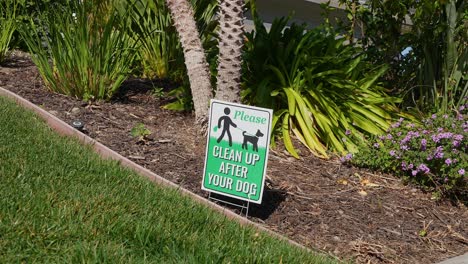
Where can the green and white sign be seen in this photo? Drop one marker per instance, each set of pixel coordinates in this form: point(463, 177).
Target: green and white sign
point(237, 150)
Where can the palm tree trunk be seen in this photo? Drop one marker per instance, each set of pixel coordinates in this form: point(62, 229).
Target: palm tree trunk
point(195, 60)
point(231, 33)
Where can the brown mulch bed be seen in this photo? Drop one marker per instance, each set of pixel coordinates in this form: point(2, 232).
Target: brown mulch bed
point(349, 212)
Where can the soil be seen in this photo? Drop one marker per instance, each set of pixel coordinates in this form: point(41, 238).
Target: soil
point(349, 212)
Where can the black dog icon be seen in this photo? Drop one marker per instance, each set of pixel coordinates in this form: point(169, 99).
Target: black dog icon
point(251, 139)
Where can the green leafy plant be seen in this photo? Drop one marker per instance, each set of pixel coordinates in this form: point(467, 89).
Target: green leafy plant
point(27, 10)
point(321, 89)
point(160, 50)
point(431, 74)
point(455, 65)
point(182, 99)
point(158, 92)
point(140, 131)
point(441, 82)
point(80, 50)
point(8, 24)
point(160, 53)
point(433, 154)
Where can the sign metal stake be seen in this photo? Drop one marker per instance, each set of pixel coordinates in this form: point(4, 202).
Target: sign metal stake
point(245, 204)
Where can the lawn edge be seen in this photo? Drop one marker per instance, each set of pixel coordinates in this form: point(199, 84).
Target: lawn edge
point(65, 129)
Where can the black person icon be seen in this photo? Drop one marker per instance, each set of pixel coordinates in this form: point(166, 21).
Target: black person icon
point(227, 122)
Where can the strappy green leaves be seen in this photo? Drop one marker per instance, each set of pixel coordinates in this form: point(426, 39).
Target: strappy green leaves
point(322, 89)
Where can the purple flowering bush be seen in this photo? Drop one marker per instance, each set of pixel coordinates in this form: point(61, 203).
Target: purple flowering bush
point(433, 153)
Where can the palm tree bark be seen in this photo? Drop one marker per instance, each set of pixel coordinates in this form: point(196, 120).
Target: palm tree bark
point(231, 33)
point(195, 60)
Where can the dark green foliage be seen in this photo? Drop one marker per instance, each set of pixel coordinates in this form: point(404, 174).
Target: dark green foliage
point(320, 88)
point(32, 9)
point(160, 54)
point(81, 49)
point(433, 76)
point(8, 25)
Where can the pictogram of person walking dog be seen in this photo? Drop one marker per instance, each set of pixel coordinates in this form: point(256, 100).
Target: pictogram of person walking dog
point(225, 123)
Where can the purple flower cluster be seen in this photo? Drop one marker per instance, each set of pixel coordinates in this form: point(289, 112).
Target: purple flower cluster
point(423, 168)
point(423, 144)
point(437, 147)
point(446, 135)
point(346, 158)
point(405, 166)
point(439, 152)
point(409, 136)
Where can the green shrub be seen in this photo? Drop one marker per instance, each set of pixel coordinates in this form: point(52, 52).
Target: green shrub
point(433, 75)
point(433, 154)
point(8, 12)
point(25, 10)
point(82, 54)
point(160, 52)
point(319, 87)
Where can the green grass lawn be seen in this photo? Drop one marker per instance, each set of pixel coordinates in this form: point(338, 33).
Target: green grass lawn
point(59, 202)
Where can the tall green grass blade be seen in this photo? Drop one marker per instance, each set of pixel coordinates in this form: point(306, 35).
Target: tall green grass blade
point(291, 101)
point(369, 81)
point(310, 136)
point(286, 138)
point(8, 25)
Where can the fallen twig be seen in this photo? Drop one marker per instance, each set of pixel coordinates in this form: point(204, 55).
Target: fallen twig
point(457, 235)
